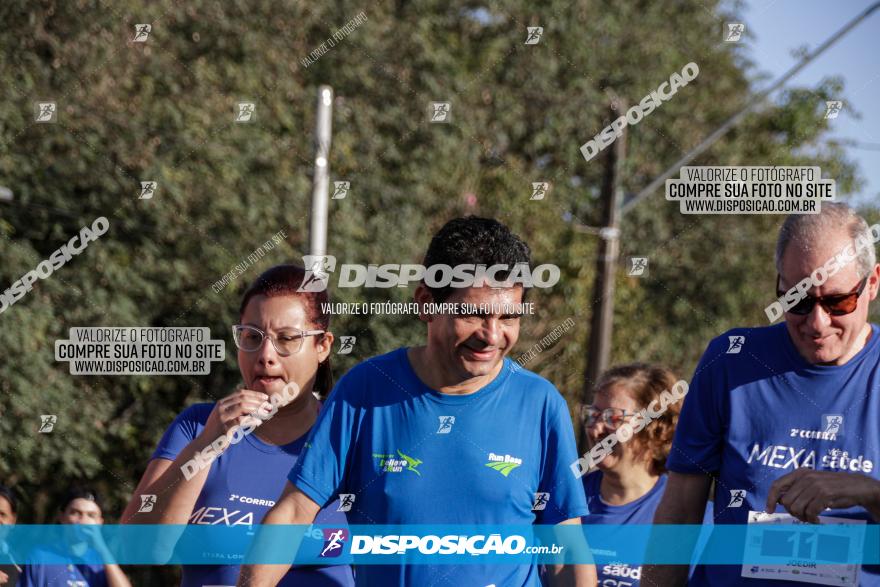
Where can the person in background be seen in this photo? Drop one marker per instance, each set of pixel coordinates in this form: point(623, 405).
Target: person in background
point(625, 486)
point(81, 510)
point(784, 418)
point(9, 571)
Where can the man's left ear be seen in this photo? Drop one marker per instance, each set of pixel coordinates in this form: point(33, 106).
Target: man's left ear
point(423, 297)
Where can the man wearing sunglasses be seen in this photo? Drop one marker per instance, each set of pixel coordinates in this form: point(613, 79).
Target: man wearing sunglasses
point(786, 419)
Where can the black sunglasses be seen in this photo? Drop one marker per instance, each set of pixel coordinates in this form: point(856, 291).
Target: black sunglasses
point(835, 304)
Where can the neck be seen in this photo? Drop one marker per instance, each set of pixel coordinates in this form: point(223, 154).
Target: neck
point(620, 487)
point(291, 421)
point(859, 344)
point(443, 380)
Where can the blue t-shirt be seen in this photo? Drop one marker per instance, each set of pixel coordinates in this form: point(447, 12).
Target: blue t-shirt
point(639, 512)
point(761, 412)
point(61, 575)
point(241, 487)
point(412, 455)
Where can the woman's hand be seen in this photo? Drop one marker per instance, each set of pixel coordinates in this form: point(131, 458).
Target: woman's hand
point(235, 410)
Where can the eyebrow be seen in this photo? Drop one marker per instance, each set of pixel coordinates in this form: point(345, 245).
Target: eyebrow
point(280, 328)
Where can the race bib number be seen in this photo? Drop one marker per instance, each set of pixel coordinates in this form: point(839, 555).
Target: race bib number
point(810, 553)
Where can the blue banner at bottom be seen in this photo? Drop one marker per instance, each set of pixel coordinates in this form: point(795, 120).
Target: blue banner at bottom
point(752, 544)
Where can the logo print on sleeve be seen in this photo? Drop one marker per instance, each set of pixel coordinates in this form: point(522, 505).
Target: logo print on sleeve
point(503, 464)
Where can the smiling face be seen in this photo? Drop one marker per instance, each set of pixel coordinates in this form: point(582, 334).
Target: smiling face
point(264, 369)
point(623, 454)
point(464, 347)
point(819, 337)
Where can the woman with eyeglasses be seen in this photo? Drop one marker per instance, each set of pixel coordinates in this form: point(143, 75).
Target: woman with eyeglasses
point(625, 487)
point(284, 345)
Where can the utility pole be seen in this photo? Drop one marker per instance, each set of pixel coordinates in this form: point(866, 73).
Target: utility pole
point(320, 195)
point(601, 319)
point(602, 315)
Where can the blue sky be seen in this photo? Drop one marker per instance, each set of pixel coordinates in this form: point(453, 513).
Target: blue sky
point(776, 27)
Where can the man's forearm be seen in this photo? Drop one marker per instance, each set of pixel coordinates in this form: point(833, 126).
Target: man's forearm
point(268, 575)
point(294, 507)
point(261, 575)
point(873, 506)
point(115, 576)
point(666, 575)
point(684, 502)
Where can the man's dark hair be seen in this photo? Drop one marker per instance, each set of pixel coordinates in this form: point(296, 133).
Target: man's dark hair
point(80, 493)
point(10, 497)
point(474, 241)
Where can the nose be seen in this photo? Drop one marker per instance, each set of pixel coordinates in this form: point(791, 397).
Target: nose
point(266, 354)
point(490, 332)
point(818, 319)
point(598, 425)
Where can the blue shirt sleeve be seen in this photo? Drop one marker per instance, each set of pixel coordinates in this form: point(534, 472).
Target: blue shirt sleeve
point(321, 466)
point(699, 434)
point(567, 499)
point(186, 426)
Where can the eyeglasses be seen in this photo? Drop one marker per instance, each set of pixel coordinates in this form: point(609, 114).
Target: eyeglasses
point(612, 417)
point(250, 339)
point(835, 304)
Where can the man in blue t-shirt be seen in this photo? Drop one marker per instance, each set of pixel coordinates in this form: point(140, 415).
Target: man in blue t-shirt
point(785, 418)
point(446, 433)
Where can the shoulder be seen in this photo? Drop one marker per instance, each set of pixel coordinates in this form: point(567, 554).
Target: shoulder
point(379, 369)
point(725, 353)
point(195, 414)
point(538, 389)
point(745, 340)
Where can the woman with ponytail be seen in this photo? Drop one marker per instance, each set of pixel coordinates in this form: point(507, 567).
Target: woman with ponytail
point(284, 342)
